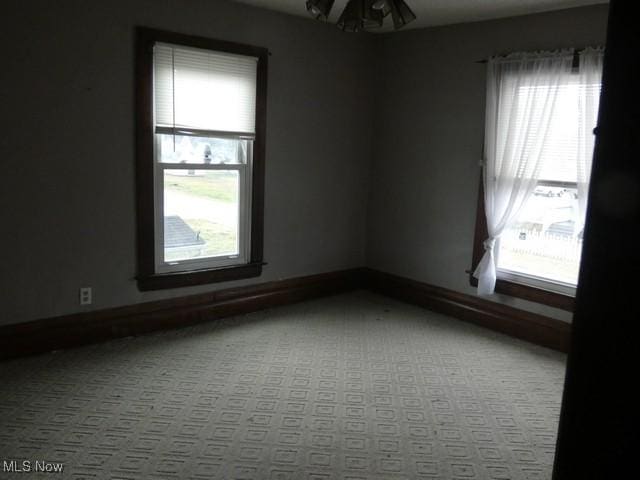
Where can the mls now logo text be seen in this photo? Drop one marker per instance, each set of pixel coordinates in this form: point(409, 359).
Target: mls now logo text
point(29, 466)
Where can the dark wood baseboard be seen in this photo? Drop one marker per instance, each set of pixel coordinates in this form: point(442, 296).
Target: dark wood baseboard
point(518, 323)
point(91, 327)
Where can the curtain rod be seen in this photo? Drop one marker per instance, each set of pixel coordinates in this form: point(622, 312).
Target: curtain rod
point(576, 53)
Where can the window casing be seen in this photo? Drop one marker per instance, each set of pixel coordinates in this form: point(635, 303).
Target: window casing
point(201, 108)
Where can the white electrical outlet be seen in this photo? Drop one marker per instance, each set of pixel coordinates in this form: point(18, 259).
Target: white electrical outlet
point(86, 296)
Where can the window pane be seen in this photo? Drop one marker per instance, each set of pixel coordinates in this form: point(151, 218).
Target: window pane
point(200, 150)
point(546, 239)
point(200, 214)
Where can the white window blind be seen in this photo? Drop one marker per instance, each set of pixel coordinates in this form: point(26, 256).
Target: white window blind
point(560, 148)
point(204, 90)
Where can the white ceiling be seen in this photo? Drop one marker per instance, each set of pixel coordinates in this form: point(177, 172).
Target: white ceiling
point(439, 12)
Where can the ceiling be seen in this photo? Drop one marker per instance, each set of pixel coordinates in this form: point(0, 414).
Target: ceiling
point(440, 12)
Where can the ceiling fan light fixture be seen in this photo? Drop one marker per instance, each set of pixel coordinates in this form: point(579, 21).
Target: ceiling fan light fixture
point(382, 6)
point(361, 15)
point(319, 9)
point(358, 15)
point(401, 14)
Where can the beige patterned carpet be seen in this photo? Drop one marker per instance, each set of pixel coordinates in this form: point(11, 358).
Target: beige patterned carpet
point(355, 386)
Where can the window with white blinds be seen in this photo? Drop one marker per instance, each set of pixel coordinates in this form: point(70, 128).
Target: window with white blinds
point(542, 246)
point(205, 128)
point(200, 158)
point(204, 90)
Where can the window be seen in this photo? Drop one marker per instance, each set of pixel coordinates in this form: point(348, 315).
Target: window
point(200, 159)
point(537, 255)
point(542, 246)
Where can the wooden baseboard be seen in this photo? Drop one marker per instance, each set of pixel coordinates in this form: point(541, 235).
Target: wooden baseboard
point(518, 323)
point(91, 327)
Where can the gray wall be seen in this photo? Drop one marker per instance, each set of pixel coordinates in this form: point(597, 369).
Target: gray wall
point(429, 129)
point(67, 146)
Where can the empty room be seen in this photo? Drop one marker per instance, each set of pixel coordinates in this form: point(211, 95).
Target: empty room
point(289, 239)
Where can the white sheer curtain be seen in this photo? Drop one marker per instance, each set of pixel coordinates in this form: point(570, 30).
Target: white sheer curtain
point(522, 90)
point(590, 79)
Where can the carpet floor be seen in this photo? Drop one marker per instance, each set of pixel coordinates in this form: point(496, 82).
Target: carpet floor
point(355, 386)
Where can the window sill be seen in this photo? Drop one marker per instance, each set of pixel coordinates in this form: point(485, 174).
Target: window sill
point(161, 281)
point(533, 294)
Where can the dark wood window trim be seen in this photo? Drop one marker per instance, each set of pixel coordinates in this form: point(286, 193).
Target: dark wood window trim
point(527, 292)
point(147, 277)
